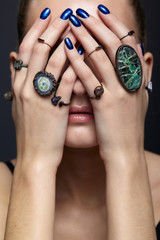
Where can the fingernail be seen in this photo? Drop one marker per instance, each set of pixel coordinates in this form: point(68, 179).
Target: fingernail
point(80, 50)
point(66, 14)
point(141, 45)
point(75, 21)
point(103, 9)
point(83, 14)
point(45, 13)
point(68, 43)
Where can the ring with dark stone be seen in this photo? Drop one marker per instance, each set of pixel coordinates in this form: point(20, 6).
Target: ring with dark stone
point(44, 83)
point(98, 91)
point(55, 101)
point(18, 64)
point(130, 33)
point(129, 68)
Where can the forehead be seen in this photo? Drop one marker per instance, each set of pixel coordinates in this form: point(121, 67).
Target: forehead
point(121, 8)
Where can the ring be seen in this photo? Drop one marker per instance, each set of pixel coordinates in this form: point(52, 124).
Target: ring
point(8, 96)
point(129, 68)
point(149, 87)
point(56, 99)
point(130, 33)
point(96, 49)
point(98, 91)
point(43, 41)
point(44, 83)
point(18, 64)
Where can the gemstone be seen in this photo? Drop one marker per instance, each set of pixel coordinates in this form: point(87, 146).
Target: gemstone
point(98, 91)
point(18, 64)
point(150, 86)
point(55, 100)
point(44, 83)
point(129, 69)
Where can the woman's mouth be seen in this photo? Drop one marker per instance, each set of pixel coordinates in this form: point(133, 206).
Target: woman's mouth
point(80, 114)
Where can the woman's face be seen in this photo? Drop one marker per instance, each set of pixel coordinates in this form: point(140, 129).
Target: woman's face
point(81, 132)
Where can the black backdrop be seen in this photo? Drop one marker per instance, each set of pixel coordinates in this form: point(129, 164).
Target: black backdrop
point(8, 42)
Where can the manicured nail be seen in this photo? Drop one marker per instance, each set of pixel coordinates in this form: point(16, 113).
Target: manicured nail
point(68, 43)
point(83, 14)
point(103, 9)
point(45, 13)
point(66, 14)
point(141, 45)
point(80, 50)
point(75, 21)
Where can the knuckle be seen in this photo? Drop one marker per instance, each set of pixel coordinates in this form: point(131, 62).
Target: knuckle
point(24, 95)
point(24, 48)
point(67, 79)
point(39, 48)
point(121, 95)
point(16, 88)
point(53, 64)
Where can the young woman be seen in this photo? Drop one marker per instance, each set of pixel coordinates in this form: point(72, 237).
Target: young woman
point(80, 98)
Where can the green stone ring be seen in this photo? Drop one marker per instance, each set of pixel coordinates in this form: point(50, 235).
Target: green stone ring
point(44, 83)
point(129, 68)
point(18, 64)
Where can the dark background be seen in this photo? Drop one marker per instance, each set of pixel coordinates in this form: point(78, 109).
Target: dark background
point(8, 42)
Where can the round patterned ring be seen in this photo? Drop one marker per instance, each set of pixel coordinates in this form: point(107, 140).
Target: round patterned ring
point(129, 68)
point(44, 83)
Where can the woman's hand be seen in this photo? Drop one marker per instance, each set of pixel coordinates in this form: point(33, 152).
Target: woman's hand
point(40, 126)
point(119, 115)
point(119, 120)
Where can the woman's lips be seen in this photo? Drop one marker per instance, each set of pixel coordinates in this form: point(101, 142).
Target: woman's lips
point(80, 114)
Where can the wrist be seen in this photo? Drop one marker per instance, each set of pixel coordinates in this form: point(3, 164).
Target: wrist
point(37, 165)
point(125, 160)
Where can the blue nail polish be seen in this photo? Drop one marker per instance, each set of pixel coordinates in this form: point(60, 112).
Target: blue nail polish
point(80, 50)
point(141, 45)
point(75, 21)
point(83, 14)
point(66, 14)
point(103, 9)
point(68, 43)
point(45, 13)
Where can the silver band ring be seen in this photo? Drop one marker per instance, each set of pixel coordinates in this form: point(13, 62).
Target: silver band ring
point(130, 33)
point(43, 41)
point(96, 49)
point(18, 64)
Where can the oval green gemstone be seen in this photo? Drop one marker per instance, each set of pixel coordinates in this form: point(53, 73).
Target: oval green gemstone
point(129, 68)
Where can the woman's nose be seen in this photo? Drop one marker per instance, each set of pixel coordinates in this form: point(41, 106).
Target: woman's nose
point(78, 88)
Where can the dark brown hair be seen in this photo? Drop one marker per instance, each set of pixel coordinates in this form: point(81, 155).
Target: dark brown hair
point(136, 5)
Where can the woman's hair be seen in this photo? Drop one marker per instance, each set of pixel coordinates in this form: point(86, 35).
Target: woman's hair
point(136, 5)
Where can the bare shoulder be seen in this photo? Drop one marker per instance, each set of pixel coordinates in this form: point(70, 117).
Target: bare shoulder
point(5, 188)
point(153, 162)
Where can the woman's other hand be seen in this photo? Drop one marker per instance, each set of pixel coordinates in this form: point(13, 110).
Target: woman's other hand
point(119, 114)
point(41, 126)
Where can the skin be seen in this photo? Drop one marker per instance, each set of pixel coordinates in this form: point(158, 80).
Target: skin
point(82, 190)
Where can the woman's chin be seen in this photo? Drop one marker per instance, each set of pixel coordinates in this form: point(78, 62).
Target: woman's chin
point(81, 137)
